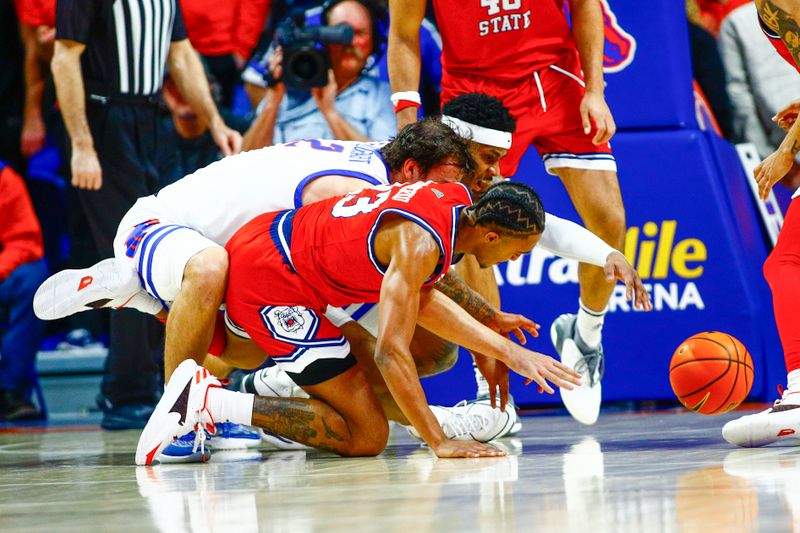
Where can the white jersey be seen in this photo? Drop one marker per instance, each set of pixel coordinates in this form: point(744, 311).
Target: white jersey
point(219, 199)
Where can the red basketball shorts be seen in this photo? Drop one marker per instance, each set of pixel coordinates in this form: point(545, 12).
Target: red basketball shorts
point(546, 107)
point(270, 303)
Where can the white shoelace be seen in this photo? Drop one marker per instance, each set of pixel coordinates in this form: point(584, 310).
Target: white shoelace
point(458, 424)
point(199, 440)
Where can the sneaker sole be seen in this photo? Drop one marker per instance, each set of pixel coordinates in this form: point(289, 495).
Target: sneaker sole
point(160, 428)
point(61, 295)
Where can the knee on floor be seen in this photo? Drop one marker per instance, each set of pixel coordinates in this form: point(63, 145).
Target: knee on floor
point(370, 441)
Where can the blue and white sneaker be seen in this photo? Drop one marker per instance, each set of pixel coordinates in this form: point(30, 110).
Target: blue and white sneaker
point(185, 450)
point(232, 436)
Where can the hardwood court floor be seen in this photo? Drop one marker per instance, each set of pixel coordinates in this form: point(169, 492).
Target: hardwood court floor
point(631, 472)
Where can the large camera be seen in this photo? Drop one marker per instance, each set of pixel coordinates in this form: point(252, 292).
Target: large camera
point(305, 61)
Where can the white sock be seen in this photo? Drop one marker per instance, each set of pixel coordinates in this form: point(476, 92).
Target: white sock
point(230, 406)
point(483, 385)
point(793, 381)
point(590, 325)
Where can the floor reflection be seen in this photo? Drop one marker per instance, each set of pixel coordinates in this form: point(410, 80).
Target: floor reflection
point(651, 473)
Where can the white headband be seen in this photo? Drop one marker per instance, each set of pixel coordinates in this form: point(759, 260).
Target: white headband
point(479, 134)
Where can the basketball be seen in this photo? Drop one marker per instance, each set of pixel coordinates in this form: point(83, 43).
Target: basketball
point(711, 373)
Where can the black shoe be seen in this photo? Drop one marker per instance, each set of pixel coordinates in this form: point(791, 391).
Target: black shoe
point(14, 407)
point(127, 416)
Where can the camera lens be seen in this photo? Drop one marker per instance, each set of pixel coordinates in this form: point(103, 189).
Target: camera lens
point(305, 66)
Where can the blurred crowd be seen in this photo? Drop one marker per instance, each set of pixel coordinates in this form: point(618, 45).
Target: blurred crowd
point(94, 114)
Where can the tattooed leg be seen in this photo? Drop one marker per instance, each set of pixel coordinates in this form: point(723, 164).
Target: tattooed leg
point(343, 416)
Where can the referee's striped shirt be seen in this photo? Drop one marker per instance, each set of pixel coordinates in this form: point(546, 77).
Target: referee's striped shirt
point(127, 41)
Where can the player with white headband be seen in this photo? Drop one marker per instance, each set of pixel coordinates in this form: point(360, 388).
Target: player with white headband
point(488, 125)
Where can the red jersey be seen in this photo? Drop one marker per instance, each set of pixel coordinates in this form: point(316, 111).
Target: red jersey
point(37, 12)
point(20, 234)
point(327, 247)
point(502, 39)
point(220, 28)
point(778, 44)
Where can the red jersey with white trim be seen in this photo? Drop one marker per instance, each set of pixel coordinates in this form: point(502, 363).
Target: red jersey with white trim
point(778, 44)
point(502, 39)
point(329, 244)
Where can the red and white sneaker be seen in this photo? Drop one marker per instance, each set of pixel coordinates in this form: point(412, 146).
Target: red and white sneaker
point(779, 422)
point(181, 409)
point(109, 283)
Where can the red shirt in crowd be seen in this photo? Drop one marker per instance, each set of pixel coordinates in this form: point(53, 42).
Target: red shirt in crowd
point(37, 12)
point(224, 27)
point(20, 234)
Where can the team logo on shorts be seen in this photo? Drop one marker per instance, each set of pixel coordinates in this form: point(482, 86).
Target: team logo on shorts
point(289, 318)
point(292, 324)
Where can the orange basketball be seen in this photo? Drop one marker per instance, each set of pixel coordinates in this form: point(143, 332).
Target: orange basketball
point(711, 373)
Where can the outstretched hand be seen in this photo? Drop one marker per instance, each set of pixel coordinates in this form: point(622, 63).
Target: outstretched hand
point(771, 171)
point(466, 448)
point(512, 323)
point(617, 267)
point(786, 117)
point(541, 369)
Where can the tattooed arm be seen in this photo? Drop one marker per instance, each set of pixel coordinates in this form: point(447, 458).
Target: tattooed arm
point(782, 17)
point(455, 288)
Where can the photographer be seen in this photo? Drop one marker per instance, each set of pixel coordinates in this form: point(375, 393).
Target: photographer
point(351, 106)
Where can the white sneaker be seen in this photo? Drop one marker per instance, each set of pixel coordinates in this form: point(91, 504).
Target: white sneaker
point(109, 283)
point(181, 409)
point(779, 422)
point(273, 382)
point(583, 402)
point(510, 406)
point(471, 421)
point(279, 443)
point(483, 394)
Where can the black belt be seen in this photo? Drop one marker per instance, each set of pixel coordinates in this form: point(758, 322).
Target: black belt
point(103, 98)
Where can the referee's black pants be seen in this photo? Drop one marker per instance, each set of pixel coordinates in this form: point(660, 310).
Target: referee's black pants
point(138, 157)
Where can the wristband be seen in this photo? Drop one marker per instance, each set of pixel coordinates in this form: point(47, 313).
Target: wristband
point(404, 99)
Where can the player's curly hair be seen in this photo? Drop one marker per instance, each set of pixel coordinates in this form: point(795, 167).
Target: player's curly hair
point(510, 208)
point(482, 110)
point(428, 142)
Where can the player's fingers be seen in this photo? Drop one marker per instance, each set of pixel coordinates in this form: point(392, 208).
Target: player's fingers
point(610, 271)
point(493, 394)
point(587, 122)
point(531, 327)
point(504, 393)
point(611, 127)
point(628, 287)
point(484, 450)
point(564, 368)
point(519, 335)
point(542, 382)
point(600, 133)
point(237, 142)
